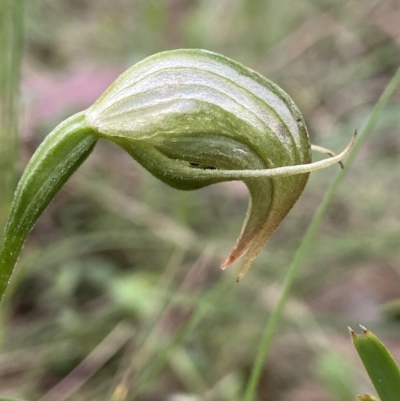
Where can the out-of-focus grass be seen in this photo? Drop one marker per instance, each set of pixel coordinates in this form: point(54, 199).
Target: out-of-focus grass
point(11, 33)
point(118, 247)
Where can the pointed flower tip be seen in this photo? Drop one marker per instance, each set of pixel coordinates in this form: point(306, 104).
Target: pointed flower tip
point(226, 263)
point(241, 274)
point(351, 331)
point(229, 260)
point(354, 334)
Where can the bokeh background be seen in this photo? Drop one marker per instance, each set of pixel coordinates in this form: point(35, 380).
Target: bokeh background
point(118, 290)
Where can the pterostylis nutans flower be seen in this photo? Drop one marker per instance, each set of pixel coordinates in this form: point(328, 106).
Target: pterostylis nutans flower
point(191, 118)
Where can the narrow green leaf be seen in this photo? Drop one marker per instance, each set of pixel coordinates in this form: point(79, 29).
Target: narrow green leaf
point(379, 364)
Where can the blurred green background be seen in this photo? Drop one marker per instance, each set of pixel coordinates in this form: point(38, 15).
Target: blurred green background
point(118, 294)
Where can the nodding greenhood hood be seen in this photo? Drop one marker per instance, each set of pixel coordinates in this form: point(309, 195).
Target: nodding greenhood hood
point(192, 118)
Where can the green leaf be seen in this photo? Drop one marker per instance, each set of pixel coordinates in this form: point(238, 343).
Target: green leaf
point(379, 364)
point(192, 118)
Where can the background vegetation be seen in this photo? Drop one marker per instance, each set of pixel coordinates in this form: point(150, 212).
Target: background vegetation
point(118, 292)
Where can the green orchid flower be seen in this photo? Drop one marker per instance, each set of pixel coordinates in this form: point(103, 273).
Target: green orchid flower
point(192, 118)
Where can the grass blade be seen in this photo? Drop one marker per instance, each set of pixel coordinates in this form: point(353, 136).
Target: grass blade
point(11, 45)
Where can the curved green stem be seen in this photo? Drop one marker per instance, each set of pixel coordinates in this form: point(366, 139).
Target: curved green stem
point(60, 154)
point(308, 240)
